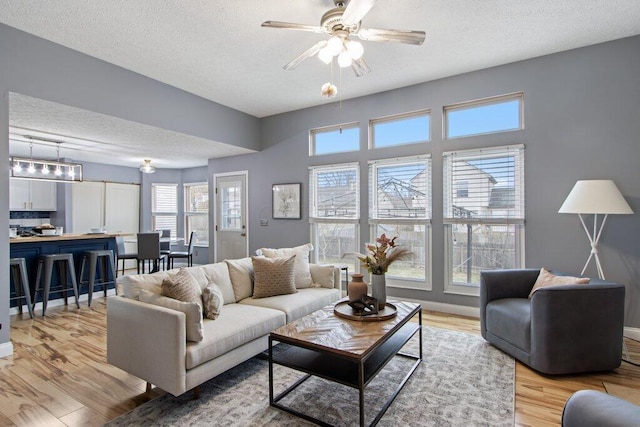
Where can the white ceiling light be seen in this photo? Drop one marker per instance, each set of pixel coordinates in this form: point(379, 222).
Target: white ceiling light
point(325, 56)
point(146, 167)
point(355, 49)
point(344, 59)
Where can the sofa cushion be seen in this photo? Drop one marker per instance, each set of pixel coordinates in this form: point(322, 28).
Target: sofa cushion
point(133, 284)
point(510, 320)
point(323, 276)
point(273, 276)
point(301, 266)
point(237, 324)
point(192, 311)
point(218, 273)
point(241, 274)
point(546, 278)
point(183, 287)
point(212, 301)
point(297, 305)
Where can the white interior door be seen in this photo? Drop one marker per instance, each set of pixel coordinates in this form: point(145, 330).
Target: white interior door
point(231, 232)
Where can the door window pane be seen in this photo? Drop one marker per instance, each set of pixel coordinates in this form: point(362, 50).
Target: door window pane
point(231, 200)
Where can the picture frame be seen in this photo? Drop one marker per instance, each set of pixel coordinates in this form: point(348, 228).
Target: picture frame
point(286, 201)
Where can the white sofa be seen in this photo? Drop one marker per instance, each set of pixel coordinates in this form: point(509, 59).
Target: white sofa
point(149, 341)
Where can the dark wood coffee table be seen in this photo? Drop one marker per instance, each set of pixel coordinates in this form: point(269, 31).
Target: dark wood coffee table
point(348, 352)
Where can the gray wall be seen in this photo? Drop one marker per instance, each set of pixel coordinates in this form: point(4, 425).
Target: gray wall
point(581, 122)
point(41, 69)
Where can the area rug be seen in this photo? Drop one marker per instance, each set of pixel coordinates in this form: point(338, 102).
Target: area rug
point(462, 381)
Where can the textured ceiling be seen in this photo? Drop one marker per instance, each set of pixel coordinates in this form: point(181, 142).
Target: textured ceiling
point(219, 51)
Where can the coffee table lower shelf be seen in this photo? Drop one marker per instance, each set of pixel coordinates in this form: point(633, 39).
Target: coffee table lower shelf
point(355, 373)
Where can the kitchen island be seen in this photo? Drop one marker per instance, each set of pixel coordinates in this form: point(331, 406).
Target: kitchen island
point(30, 248)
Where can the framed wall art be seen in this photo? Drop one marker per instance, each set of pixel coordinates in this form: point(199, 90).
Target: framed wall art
point(286, 201)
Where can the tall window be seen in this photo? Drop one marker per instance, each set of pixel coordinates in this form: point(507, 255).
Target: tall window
point(408, 128)
point(164, 207)
point(196, 212)
point(484, 225)
point(334, 139)
point(497, 114)
point(334, 206)
point(400, 205)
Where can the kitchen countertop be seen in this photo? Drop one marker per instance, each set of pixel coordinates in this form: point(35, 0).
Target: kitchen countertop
point(66, 236)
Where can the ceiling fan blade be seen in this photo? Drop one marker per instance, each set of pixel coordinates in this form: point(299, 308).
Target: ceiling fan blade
point(306, 54)
point(293, 26)
point(397, 36)
point(360, 67)
point(356, 10)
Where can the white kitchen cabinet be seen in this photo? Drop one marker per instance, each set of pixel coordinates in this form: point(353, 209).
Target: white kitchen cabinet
point(32, 195)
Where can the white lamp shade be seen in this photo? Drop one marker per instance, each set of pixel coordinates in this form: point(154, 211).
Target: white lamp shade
point(595, 197)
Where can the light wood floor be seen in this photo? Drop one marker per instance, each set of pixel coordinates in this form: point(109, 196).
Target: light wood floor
point(58, 373)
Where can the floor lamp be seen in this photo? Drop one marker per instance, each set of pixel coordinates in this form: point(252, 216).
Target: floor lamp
point(595, 197)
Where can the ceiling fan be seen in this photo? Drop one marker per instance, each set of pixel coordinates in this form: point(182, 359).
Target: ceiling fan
point(342, 23)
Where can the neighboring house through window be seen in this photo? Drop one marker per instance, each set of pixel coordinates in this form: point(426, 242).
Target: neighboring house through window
point(196, 212)
point(484, 227)
point(334, 206)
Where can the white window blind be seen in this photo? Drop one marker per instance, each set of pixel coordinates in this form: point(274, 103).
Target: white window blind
point(484, 185)
point(164, 207)
point(400, 188)
point(334, 192)
point(164, 198)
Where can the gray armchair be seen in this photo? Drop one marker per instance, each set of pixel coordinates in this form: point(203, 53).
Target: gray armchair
point(590, 408)
point(561, 330)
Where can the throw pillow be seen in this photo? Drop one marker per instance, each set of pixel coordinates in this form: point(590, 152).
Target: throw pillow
point(302, 275)
point(212, 300)
point(546, 278)
point(183, 287)
point(191, 310)
point(241, 274)
point(323, 276)
point(273, 276)
point(218, 273)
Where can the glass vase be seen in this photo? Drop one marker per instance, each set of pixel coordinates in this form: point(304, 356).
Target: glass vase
point(379, 289)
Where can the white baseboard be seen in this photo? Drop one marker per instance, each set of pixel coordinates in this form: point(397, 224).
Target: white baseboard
point(460, 310)
point(6, 349)
point(59, 302)
point(633, 333)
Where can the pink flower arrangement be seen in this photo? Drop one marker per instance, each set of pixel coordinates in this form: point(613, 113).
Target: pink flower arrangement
point(381, 255)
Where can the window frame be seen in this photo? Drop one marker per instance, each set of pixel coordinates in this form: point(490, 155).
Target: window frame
point(396, 118)
point(375, 221)
point(155, 213)
point(315, 220)
point(466, 105)
point(326, 129)
point(188, 213)
point(517, 221)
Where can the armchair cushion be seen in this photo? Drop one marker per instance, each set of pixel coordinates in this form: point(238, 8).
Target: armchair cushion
point(510, 320)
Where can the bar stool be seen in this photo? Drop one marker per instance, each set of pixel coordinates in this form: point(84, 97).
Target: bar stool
point(106, 258)
point(21, 284)
point(66, 269)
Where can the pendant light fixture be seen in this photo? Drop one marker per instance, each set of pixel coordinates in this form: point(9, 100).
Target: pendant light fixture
point(40, 169)
point(147, 167)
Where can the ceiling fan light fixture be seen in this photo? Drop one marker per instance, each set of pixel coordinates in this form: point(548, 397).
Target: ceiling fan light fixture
point(344, 59)
point(355, 49)
point(147, 167)
point(334, 45)
point(325, 56)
